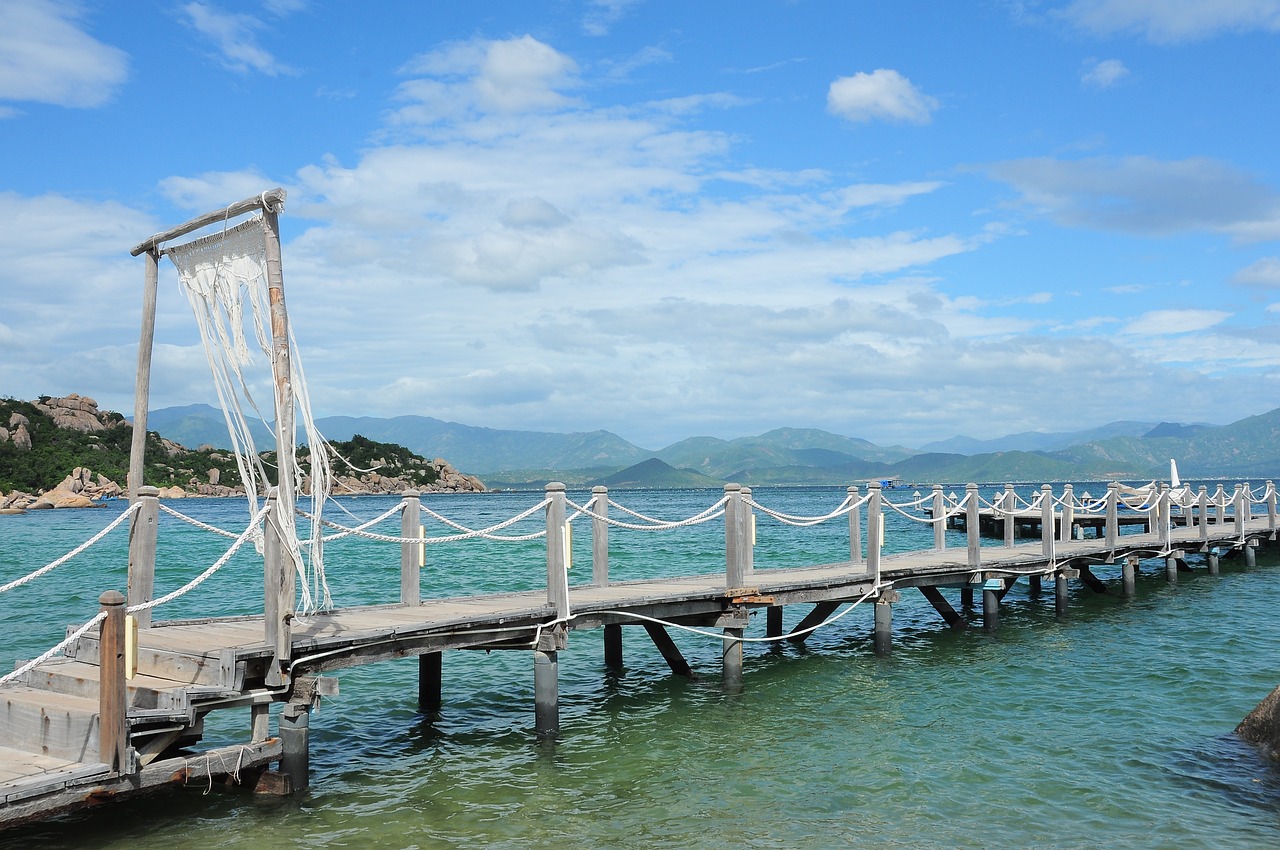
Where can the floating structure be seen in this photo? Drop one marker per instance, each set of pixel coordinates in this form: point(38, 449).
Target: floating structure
point(119, 706)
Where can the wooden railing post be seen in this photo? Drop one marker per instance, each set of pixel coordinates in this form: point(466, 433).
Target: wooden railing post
point(557, 554)
point(1164, 514)
point(1219, 505)
point(113, 707)
point(410, 563)
point(1046, 520)
point(278, 591)
point(1202, 498)
point(875, 530)
point(600, 536)
point(1007, 505)
point(1068, 513)
point(143, 527)
point(1113, 514)
point(939, 518)
point(855, 529)
point(1271, 507)
point(973, 533)
point(747, 532)
point(1241, 509)
point(734, 560)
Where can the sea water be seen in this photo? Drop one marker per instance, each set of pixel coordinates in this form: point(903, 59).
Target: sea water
point(1111, 727)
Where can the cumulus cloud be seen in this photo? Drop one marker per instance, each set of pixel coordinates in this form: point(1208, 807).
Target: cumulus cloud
point(1145, 196)
point(1170, 21)
point(47, 57)
point(1102, 74)
point(1264, 272)
point(882, 95)
point(235, 37)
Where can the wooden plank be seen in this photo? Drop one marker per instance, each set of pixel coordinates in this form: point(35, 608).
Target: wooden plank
point(271, 198)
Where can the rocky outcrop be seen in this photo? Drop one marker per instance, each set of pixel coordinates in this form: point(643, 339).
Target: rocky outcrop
point(77, 412)
point(21, 438)
point(77, 490)
point(449, 480)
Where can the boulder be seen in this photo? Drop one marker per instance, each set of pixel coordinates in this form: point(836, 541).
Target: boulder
point(21, 438)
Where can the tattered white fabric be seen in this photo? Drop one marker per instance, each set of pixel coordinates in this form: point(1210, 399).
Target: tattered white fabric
point(224, 278)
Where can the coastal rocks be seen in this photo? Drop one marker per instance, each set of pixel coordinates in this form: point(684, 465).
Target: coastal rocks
point(78, 490)
point(448, 480)
point(1262, 725)
point(79, 413)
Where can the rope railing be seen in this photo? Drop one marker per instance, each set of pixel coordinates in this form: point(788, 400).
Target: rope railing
point(52, 565)
point(54, 650)
point(197, 523)
point(706, 515)
point(711, 512)
point(345, 531)
point(842, 509)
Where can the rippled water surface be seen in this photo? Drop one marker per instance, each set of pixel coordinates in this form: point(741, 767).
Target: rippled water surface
point(1109, 728)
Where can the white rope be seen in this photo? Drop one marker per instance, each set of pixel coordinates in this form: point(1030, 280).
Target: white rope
point(217, 565)
point(844, 508)
point(29, 577)
point(662, 526)
point(468, 533)
point(345, 531)
point(70, 639)
point(710, 513)
point(197, 523)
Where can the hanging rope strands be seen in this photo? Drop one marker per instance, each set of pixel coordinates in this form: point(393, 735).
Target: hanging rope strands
point(232, 280)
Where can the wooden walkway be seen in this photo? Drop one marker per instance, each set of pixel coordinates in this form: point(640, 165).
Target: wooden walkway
point(52, 737)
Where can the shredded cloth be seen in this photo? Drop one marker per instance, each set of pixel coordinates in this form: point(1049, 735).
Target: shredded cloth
point(224, 277)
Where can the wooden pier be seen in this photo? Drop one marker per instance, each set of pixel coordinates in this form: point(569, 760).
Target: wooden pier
point(117, 715)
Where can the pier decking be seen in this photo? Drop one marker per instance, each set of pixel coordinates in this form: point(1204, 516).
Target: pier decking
point(115, 715)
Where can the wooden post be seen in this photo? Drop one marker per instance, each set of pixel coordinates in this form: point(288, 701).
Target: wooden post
point(991, 604)
point(1241, 508)
point(557, 558)
point(1203, 499)
point(281, 369)
point(142, 383)
point(1007, 505)
point(1211, 557)
point(142, 552)
point(1060, 594)
point(971, 527)
point(1128, 575)
point(939, 518)
point(1046, 520)
point(277, 593)
point(734, 558)
point(882, 639)
point(430, 683)
point(1271, 508)
point(113, 705)
point(747, 532)
point(259, 722)
point(546, 693)
point(295, 741)
point(1164, 515)
point(1250, 554)
point(1113, 514)
point(600, 536)
point(855, 529)
point(773, 621)
point(613, 646)
point(1171, 568)
point(1034, 586)
point(1219, 505)
point(410, 566)
point(1068, 513)
point(731, 658)
point(875, 531)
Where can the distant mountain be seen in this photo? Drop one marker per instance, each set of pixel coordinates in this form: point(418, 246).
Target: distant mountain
point(782, 448)
point(1039, 441)
point(653, 473)
point(1176, 429)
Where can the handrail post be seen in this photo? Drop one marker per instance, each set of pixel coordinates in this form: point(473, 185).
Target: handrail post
point(1046, 520)
point(1010, 499)
point(1113, 514)
point(939, 518)
point(410, 563)
point(1153, 510)
point(855, 528)
point(600, 536)
point(972, 531)
point(113, 707)
point(733, 559)
point(1164, 515)
point(1202, 500)
point(875, 530)
point(1241, 508)
point(1219, 505)
point(747, 531)
point(278, 589)
point(1271, 507)
point(557, 557)
point(143, 527)
point(1068, 512)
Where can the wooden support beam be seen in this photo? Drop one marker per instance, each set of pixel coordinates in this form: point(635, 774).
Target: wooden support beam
point(1091, 581)
point(613, 646)
point(670, 652)
point(1009, 582)
point(271, 199)
point(430, 683)
point(820, 612)
point(113, 705)
point(546, 693)
point(773, 621)
point(142, 383)
point(940, 604)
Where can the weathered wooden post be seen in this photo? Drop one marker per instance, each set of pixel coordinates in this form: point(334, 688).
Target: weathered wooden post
point(410, 565)
point(430, 683)
point(1271, 508)
point(971, 527)
point(1046, 520)
point(1067, 525)
point(546, 692)
point(1211, 557)
point(1171, 566)
point(113, 705)
point(1113, 514)
point(142, 384)
point(734, 557)
point(991, 603)
point(557, 556)
point(875, 531)
point(143, 527)
point(939, 518)
point(1250, 553)
point(278, 589)
point(1164, 515)
point(295, 744)
point(281, 368)
point(1202, 498)
point(600, 536)
point(1128, 576)
point(1219, 505)
point(747, 531)
point(1241, 508)
point(882, 639)
point(855, 528)
point(1008, 506)
point(1060, 594)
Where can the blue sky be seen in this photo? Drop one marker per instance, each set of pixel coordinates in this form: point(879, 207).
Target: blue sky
point(892, 220)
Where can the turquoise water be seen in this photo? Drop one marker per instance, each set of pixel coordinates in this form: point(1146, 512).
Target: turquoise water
point(1110, 728)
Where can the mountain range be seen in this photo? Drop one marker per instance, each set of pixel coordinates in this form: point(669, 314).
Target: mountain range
point(792, 456)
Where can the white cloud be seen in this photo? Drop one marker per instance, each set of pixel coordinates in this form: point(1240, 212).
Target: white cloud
point(47, 57)
point(1102, 74)
point(1172, 322)
point(235, 36)
point(603, 14)
point(510, 76)
point(1171, 21)
point(882, 95)
point(1263, 272)
point(212, 190)
point(1145, 196)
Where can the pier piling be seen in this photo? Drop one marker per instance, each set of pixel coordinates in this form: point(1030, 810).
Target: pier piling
point(295, 738)
point(546, 693)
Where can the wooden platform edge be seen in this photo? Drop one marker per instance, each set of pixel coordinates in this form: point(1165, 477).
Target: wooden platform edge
point(211, 765)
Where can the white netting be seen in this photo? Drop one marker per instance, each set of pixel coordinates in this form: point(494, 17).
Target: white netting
point(224, 277)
